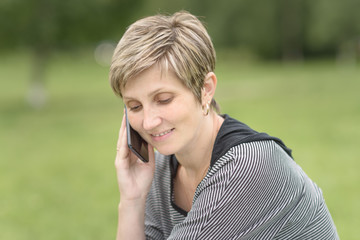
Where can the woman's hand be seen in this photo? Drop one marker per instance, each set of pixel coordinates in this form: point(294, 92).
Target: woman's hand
point(134, 176)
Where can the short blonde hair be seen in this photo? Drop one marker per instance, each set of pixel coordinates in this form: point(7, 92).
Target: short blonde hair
point(178, 42)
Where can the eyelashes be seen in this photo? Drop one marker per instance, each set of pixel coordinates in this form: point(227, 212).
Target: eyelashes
point(135, 108)
point(165, 101)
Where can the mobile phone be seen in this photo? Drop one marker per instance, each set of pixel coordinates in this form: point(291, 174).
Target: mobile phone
point(135, 142)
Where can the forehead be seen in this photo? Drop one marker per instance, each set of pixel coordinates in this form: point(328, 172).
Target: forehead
point(150, 81)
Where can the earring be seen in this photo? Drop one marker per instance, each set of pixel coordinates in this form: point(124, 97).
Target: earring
point(207, 109)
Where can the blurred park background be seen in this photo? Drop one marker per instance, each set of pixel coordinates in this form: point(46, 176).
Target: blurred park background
point(287, 67)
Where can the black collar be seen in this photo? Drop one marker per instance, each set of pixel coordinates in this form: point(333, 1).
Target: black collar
point(234, 132)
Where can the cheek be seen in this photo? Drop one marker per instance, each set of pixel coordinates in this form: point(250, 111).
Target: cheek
point(187, 114)
point(135, 122)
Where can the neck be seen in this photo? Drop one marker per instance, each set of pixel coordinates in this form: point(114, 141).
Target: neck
point(196, 161)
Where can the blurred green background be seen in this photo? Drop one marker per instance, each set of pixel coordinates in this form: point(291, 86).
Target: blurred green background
point(287, 67)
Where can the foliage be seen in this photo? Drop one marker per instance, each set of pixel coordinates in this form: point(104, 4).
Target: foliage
point(289, 29)
point(63, 23)
point(283, 28)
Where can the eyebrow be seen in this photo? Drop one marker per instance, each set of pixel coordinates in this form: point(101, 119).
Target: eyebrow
point(150, 94)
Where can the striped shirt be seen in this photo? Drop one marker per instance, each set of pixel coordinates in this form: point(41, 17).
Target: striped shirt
point(252, 190)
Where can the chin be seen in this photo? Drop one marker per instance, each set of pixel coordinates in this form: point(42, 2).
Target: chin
point(165, 150)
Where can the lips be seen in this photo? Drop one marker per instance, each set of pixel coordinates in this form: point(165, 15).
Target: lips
point(162, 133)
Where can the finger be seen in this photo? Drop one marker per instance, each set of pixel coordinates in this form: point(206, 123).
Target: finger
point(121, 132)
point(122, 154)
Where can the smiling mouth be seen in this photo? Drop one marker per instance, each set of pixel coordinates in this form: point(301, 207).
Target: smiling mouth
point(163, 133)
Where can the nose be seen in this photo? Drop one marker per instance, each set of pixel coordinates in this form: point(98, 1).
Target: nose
point(151, 119)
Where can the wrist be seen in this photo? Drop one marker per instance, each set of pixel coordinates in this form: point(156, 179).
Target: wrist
point(132, 204)
point(131, 220)
point(133, 199)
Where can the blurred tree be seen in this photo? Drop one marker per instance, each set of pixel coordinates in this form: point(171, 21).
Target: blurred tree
point(46, 25)
point(292, 15)
point(334, 28)
point(245, 24)
point(288, 29)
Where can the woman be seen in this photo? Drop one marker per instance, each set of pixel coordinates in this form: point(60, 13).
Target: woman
point(212, 177)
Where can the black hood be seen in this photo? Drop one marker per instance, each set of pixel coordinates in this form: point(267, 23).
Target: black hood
point(233, 132)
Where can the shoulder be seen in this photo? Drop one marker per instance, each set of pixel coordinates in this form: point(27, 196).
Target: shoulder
point(250, 157)
point(259, 168)
point(260, 189)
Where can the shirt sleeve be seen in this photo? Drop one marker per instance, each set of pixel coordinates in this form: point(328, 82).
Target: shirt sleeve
point(157, 215)
point(152, 230)
point(253, 192)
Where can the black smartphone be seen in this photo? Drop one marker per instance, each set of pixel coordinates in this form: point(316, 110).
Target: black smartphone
point(135, 142)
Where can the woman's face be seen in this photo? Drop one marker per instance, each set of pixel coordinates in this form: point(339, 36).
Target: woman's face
point(164, 111)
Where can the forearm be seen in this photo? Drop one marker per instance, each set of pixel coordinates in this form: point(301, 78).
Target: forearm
point(131, 220)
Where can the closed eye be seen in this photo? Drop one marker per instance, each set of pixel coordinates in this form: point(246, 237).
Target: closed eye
point(135, 108)
point(165, 101)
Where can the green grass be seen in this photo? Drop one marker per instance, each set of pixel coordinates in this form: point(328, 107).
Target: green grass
point(57, 179)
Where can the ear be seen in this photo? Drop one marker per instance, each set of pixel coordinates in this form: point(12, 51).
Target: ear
point(208, 90)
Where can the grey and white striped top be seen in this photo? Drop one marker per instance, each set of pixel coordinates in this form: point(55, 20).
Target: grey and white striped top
point(255, 190)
